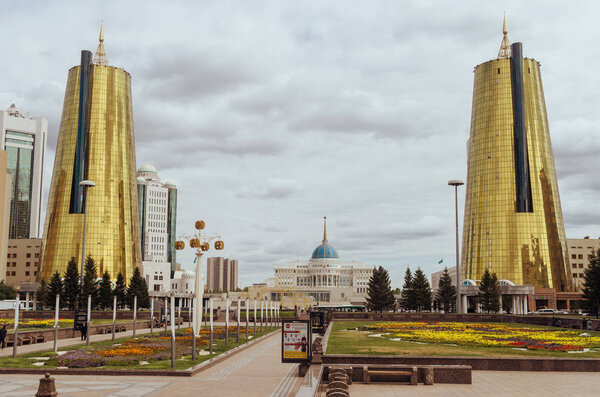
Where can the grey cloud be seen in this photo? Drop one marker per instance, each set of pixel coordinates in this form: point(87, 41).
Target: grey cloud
point(273, 189)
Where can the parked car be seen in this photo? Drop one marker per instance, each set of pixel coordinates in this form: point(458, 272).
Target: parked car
point(545, 311)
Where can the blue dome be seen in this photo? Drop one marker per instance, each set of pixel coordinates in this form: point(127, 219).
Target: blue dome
point(325, 251)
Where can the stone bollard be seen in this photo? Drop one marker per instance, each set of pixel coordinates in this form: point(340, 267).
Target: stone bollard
point(429, 375)
point(47, 387)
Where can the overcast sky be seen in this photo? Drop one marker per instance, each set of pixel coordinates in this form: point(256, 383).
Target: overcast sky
point(270, 115)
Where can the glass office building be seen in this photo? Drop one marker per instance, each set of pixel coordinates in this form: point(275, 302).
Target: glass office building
point(513, 223)
point(95, 142)
point(24, 140)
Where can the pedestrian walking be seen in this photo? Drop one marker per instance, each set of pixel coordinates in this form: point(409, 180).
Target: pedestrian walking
point(3, 336)
point(83, 330)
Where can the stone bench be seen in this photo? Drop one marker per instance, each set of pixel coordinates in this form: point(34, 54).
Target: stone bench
point(390, 371)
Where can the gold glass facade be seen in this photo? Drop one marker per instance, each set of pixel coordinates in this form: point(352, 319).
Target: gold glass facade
point(527, 248)
point(112, 232)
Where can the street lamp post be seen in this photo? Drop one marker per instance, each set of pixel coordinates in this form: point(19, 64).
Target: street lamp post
point(202, 244)
point(85, 185)
point(456, 184)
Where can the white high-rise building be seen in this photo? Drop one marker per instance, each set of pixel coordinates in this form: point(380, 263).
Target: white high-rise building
point(24, 140)
point(157, 206)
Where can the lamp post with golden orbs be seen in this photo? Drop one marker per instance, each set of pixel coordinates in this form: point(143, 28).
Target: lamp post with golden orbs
point(202, 244)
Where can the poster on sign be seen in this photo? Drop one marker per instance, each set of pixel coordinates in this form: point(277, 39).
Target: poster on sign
point(295, 341)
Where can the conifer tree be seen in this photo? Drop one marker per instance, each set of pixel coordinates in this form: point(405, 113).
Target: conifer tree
point(137, 287)
point(105, 292)
point(591, 285)
point(489, 292)
point(90, 275)
point(422, 291)
point(7, 291)
point(446, 292)
point(42, 293)
point(380, 296)
point(120, 290)
point(55, 287)
point(71, 285)
point(408, 298)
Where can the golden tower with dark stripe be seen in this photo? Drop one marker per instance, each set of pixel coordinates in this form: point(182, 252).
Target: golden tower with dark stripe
point(95, 142)
point(513, 222)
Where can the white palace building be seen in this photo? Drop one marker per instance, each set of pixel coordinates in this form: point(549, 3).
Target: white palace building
point(325, 278)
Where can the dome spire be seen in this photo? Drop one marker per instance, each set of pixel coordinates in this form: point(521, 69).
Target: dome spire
point(505, 51)
point(100, 57)
point(324, 230)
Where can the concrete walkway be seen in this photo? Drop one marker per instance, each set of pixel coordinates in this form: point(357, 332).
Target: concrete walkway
point(495, 383)
point(256, 371)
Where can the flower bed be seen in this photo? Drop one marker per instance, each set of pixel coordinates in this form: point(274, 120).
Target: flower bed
point(36, 323)
point(133, 351)
point(487, 334)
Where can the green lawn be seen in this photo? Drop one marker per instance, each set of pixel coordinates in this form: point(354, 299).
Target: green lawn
point(26, 361)
point(347, 337)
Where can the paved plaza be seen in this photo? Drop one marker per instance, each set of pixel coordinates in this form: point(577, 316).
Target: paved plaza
point(256, 371)
point(495, 383)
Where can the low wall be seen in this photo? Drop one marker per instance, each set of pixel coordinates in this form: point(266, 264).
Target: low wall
point(47, 334)
point(476, 363)
point(449, 374)
point(68, 314)
point(566, 322)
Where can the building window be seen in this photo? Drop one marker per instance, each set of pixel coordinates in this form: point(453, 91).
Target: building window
point(28, 264)
point(27, 273)
point(29, 255)
point(574, 265)
point(581, 265)
point(574, 275)
point(573, 256)
point(37, 254)
point(14, 274)
point(580, 256)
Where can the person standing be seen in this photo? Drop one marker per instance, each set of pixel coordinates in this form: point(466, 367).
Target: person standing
point(83, 330)
point(3, 336)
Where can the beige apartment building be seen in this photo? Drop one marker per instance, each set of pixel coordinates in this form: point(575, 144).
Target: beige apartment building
point(23, 261)
point(580, 252)
point(221, 274)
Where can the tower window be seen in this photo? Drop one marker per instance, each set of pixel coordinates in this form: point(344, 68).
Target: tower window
point(498, 70)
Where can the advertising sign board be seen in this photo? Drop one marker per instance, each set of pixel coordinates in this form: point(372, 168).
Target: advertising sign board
point(296, 337)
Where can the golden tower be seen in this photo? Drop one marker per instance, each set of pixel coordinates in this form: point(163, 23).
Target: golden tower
point(513, 222)
point(95, 142)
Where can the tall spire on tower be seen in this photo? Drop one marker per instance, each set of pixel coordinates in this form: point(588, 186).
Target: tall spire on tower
point(324, 230)
point(100, 57)
point(504, 52)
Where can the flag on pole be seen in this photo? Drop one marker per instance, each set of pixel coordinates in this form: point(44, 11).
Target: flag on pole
point(195, 259)
point(441, 261)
